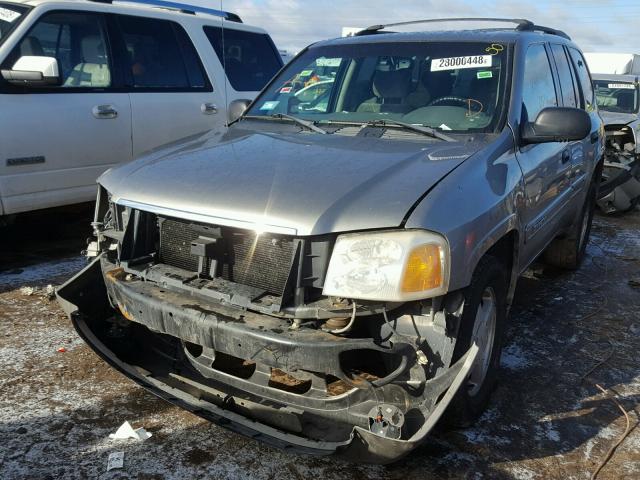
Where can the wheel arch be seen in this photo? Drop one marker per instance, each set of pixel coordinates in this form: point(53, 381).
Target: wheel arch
point(502, 243)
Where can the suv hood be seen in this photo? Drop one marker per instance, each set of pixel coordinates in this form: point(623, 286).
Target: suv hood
point(294, 183)
point(616, 118)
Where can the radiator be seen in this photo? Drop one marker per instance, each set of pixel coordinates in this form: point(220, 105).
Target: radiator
point(262, 261)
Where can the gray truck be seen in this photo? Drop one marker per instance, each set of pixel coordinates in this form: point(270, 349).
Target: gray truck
point(618, 99)
point(334, 274)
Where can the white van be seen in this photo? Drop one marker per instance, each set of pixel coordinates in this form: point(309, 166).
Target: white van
point(87, 84)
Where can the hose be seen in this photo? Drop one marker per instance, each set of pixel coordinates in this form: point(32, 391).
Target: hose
point(346, 328)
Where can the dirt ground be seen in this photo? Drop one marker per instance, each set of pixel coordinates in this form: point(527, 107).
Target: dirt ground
point(545, 420)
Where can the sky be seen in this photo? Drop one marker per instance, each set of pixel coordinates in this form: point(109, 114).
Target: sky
point(599, 26)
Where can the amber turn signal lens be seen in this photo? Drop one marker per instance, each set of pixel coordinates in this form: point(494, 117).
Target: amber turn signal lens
point(424, 269)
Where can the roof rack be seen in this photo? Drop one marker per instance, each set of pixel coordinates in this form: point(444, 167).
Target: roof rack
point(179, 7)
point(522, 25)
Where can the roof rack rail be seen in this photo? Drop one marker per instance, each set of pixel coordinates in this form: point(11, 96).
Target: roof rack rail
point(179, 7)
point(550, 31)
point(522, 25)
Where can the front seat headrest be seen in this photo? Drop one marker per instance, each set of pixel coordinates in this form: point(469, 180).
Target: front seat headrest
point(93, 50)
point(392, 84)
point(626, 100)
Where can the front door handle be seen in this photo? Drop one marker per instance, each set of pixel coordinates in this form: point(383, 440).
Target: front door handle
point(104, 111)
point(209, 108)
point(566, 156)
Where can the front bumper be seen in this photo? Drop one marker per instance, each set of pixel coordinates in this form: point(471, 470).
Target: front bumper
point(152, 350)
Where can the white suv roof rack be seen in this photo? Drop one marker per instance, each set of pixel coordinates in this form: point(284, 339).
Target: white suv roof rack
point(179, 7)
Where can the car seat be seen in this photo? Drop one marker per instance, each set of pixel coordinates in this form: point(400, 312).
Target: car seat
point(391, 89)
point(626, 101)
point(94, 70)
point(421, 95)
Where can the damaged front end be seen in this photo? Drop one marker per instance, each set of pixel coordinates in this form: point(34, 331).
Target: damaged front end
point(620, 187)
point(232, 325)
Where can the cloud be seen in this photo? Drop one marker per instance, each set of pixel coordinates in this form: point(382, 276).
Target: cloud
point(602, 25)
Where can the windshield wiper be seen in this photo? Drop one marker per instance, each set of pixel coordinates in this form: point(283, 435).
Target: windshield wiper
point(430, 132)
point(283, 116)
point(305, 123)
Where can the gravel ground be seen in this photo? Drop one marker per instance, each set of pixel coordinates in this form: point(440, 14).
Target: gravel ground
point(544, 422)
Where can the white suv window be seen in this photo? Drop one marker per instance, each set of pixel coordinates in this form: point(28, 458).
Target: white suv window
point(161, 56)
point(77, 40)
point(250, 59)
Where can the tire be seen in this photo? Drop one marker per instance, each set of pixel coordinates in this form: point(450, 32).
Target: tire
point(568, 252)
point(489, 284)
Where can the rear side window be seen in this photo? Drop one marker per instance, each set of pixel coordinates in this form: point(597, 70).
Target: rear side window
point(77, 40)
point(538, 89)
point(250, 59)
point(580, 66)
point(569, 97)
point(159, 54)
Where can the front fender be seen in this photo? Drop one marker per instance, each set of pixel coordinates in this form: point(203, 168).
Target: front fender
point(474, 207)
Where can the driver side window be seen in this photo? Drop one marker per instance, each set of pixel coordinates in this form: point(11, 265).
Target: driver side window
point(538, 88)
point(77, 40)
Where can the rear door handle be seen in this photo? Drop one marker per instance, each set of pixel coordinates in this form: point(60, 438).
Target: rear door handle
point(209, 108)
point(104, 111)
point(594, 137)
point(566, 156)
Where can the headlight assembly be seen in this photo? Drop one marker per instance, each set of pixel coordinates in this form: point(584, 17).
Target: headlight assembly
point(391, 266)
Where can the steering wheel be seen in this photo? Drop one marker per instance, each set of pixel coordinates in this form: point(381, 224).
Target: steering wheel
point(468, 103)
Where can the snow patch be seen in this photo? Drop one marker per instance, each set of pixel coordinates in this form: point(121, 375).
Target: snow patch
point(546, 431)
point(42, 272)
point(476, 436)
point(514, 358)
point(522, 473)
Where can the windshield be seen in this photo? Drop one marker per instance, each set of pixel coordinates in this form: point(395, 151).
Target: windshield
point(10, 16)
point(456, 87)
point(614, 96)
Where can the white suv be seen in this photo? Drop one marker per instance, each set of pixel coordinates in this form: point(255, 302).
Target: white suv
point(88, 84)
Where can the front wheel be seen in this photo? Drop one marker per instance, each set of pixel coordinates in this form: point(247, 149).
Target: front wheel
point(483, 322)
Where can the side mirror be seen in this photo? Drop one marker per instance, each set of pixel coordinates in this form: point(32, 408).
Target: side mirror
point(237, 108)
point(33, 71)
point(557, 124)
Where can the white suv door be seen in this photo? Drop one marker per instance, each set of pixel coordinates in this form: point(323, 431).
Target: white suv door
point(171, 95)
point(56, 140)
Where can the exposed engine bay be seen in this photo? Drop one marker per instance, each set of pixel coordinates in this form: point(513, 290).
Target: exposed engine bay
point(620, 188)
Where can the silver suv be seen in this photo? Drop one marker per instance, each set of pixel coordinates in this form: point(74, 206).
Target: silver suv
point(337, 271)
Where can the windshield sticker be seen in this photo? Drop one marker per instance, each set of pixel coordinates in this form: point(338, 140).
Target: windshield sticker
point(328, 62)
point(306, 73)
point(494, 49)
point(485, 74)
point(444, 127)
point(628, 86)
point(286, 89)
point(8, 15)
point(455, 63)
point(269, 105)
